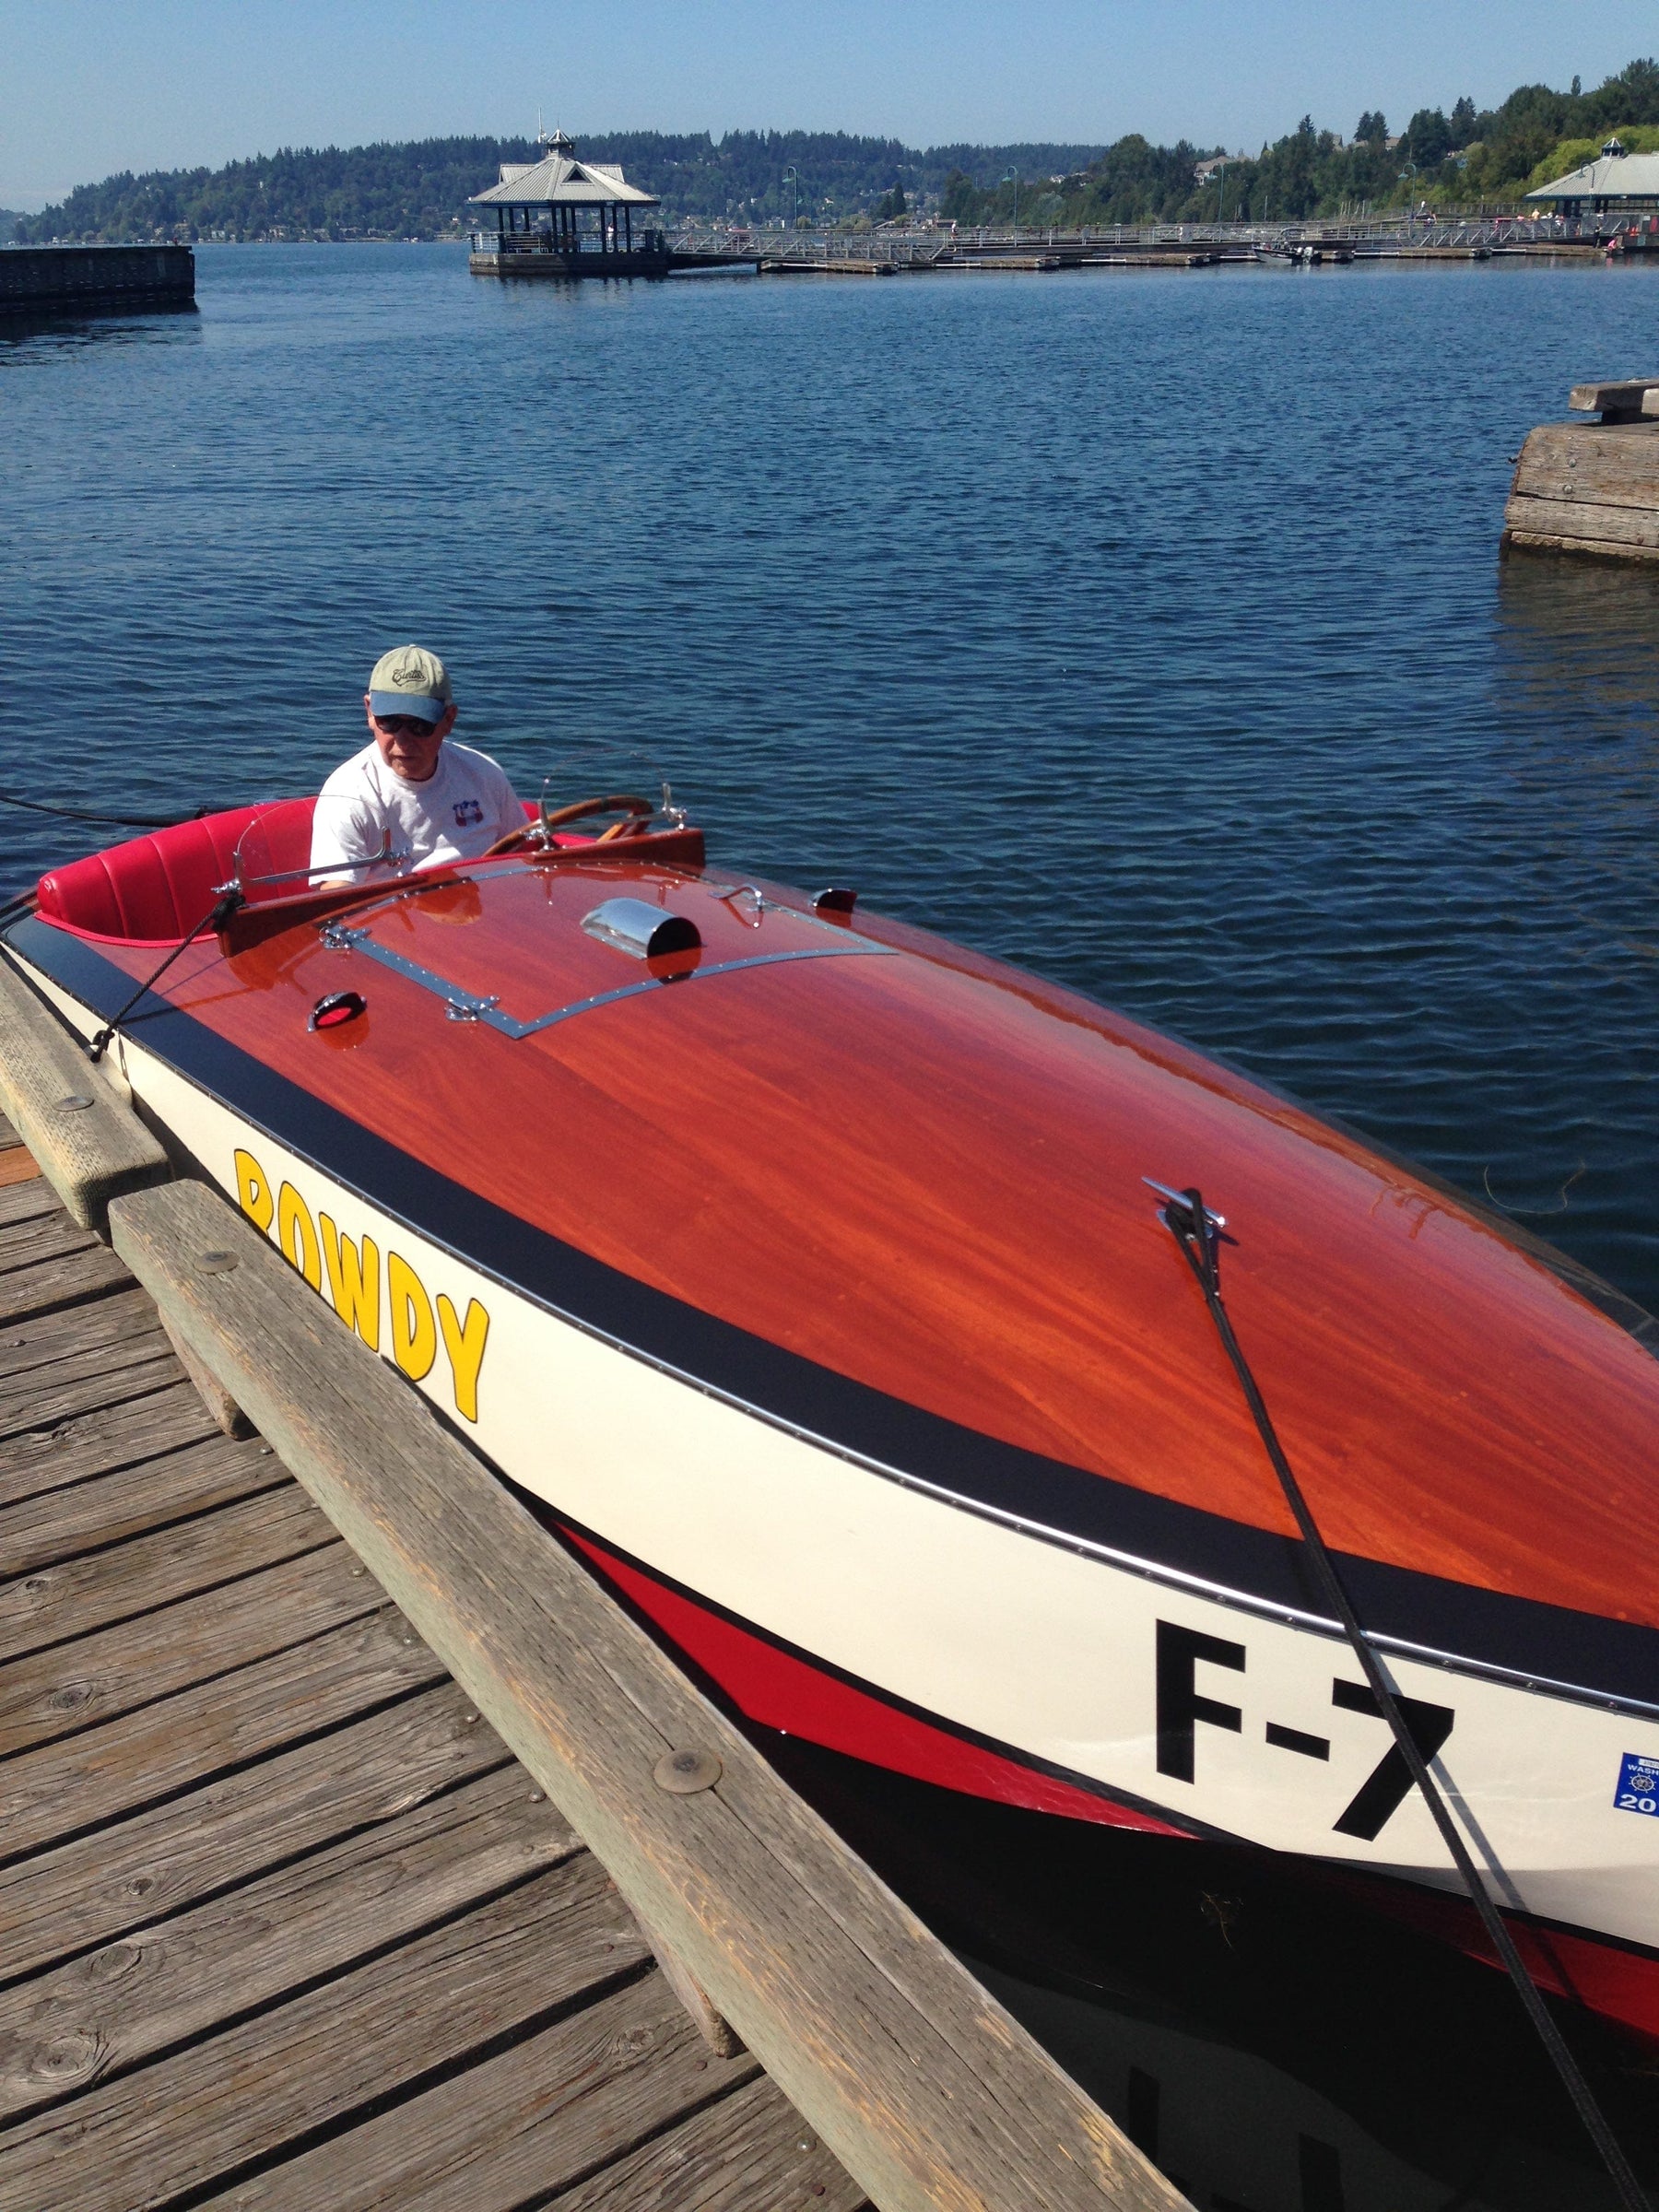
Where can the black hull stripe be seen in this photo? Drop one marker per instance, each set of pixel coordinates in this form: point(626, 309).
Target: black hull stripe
point(1612, 1662)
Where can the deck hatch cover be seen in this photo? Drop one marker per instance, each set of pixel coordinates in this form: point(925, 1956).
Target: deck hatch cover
point(466, 1005)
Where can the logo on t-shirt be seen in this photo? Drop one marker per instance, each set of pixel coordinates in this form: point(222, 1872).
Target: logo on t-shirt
point(467, 811)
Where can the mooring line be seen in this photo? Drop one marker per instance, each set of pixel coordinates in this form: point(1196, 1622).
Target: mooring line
point(1194, 1230)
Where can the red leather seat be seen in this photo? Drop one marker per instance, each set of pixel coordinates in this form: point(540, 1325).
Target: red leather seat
point(154, 890)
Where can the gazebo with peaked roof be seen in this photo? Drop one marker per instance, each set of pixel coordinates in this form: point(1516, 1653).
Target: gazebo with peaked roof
point(1614, 181)
point(561, 216)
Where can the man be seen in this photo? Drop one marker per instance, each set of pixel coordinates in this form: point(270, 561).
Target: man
point(438, 802)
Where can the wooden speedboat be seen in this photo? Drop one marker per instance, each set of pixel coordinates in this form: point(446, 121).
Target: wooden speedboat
point(803, 1267)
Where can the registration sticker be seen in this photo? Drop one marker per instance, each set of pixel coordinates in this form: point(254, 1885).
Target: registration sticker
point(1638, 1790)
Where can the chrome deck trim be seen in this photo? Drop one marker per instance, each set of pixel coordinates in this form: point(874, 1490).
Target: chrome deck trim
point(464, 1005)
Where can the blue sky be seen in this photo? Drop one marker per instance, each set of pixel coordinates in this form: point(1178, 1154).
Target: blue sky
point(88, 87)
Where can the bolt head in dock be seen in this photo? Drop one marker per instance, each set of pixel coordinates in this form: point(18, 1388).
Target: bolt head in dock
point(683, 1773)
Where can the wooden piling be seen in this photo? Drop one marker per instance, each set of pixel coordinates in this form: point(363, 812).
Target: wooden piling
point(1590, 487)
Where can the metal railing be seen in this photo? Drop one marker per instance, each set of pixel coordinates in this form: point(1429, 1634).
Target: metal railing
point(1489, 225)
point(545, 242)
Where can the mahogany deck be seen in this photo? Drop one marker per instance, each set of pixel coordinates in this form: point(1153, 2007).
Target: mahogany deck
point(282, 1921)
point(966, 1145)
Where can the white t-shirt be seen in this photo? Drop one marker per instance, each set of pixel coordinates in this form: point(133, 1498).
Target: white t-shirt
point(457, 814)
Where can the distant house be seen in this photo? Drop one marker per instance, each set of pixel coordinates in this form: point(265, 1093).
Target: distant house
point(1615, 180)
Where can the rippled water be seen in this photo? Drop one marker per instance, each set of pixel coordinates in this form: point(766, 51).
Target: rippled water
point(1146, 627)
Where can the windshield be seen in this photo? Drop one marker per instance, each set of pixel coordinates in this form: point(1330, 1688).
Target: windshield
point(376, 837)
point(318, 840)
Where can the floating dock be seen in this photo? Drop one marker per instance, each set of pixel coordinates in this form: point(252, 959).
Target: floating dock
point(54, 279)
point(358, 1850)
point(1591, 488)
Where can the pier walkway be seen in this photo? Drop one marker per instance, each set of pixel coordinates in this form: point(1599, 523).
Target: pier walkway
point(283, 1922)
point(1394, 235)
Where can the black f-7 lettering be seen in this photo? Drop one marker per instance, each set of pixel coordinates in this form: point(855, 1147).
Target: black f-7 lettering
point(1386, 1787)
point(1179, 1704)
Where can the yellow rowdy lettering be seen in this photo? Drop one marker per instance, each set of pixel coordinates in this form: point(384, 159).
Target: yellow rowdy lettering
point(254, 1192)
point(297, 1235)
point(353, 1268)
point(414, 1336)
point(464, 1341)
point(353, 1281)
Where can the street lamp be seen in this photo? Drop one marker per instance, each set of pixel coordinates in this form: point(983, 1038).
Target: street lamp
point(1011, 176)
point(792, 177)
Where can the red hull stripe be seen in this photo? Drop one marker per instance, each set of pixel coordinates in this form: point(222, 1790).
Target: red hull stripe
point(790, 1694)
point(1614, 1979)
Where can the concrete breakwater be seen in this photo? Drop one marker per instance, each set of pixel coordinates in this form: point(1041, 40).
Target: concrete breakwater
point(34, 278)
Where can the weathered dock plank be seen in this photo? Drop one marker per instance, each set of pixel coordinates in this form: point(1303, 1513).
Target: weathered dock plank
point(271, 2083)
point(42, 1529)
point(64, 1789)
point(26, 1197)
point(751, 2150)
point(69, 1113)
point(857, 2012)
point(107, 1324)
point(583, 2092)
point(79, 1594)
point(45, 1393)
point(82, 1269)
point(70, 1686)
point(1619, 401)
point(103, 2013)
point(132, 1871)
point(63, 1440)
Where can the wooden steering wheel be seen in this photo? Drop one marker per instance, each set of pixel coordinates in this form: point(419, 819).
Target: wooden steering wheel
point(637, 812)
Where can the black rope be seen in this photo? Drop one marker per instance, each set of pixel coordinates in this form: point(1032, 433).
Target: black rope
point(215, 917)
point(105, 821)
point(1194, 1230)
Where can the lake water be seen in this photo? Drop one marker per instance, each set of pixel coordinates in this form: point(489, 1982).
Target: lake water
point(1145, 627)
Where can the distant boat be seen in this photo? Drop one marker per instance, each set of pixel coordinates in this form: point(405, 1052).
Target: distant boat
point(803, 1268)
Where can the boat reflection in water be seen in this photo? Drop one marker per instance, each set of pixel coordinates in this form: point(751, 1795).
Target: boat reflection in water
point(1274, 2046)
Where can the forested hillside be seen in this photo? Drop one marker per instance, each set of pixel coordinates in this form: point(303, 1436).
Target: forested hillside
point(1446, 158)
point(1443, 155)
point(419, 190)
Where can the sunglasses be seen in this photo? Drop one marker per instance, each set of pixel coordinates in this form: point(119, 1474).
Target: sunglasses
point(405, 725)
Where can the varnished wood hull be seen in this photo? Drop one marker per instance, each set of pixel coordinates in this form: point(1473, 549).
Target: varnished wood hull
point(821, 1303)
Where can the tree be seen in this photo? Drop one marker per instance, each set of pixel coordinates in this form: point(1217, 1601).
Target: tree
point(1371, 130)
point(1466, 123)
point(1427, 140)
point(893, 209)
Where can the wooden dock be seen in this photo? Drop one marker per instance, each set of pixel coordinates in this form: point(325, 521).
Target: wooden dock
point(357, 1851)
point(1591, 489)
point(283, 1923)
point(38, 281)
